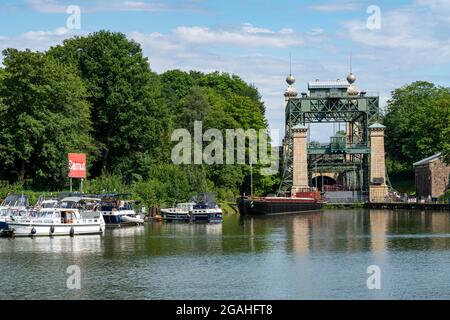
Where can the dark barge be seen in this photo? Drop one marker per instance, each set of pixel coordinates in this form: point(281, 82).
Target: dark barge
point(302, 201)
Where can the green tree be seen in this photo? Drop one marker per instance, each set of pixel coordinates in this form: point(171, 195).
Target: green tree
point(43, 116)
point(417, 124)
point(222, 102)
point(107, 183)
point(194, 107)
point(176, 85)
point(129, 117)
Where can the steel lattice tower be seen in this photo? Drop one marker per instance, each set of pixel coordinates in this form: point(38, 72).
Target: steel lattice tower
point(347, 155)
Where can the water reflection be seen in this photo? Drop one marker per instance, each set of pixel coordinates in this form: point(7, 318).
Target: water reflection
point(348, 230)
point(378, 230)
point(128, 231)
point(318, 255)
point(89, 244)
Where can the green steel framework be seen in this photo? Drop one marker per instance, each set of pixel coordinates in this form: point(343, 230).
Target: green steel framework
point(352, 159)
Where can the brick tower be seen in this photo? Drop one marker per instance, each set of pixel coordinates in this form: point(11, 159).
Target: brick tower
point(378, 189)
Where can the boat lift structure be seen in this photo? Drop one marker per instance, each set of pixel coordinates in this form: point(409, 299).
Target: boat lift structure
point(353, 161)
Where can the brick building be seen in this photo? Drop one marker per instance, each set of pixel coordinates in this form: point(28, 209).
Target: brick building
point(432, 176)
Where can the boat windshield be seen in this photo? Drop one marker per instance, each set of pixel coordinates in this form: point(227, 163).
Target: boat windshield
point(15, 213)
point(117, 205)
point(15, 200)
point(49, 204)
point(185, 206)
point(48, 214)
point(67, 205)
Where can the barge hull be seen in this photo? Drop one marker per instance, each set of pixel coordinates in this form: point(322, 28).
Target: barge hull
point(261, 207)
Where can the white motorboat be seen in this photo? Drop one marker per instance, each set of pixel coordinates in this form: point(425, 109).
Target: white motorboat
point(117, 211)
point(181, 212)
point(201, 209)
point(72, 216)
point(14, 207)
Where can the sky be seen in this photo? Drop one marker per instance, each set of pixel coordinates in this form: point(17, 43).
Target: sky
point(393, 43)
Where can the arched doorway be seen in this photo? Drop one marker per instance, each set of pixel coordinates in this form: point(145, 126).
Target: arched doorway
point(323, 183)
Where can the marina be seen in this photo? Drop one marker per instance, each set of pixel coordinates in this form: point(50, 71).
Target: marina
point(82, 214)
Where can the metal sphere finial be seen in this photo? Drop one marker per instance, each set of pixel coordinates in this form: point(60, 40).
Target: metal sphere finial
point(290, 92)
point(351, 90)
point(290, 80)
point(351, 78)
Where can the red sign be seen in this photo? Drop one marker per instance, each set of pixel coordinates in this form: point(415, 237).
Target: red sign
point(77, 165)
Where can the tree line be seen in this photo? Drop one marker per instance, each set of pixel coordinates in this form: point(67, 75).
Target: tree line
point(98, 95)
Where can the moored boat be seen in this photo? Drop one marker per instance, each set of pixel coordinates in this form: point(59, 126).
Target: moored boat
point(201, 209)
point(14, 207)
point(118, 211)
point(178, 213)
point(72, 216)
point(304, 200)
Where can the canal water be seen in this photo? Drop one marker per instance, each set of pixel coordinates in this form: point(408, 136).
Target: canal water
point(322, 255)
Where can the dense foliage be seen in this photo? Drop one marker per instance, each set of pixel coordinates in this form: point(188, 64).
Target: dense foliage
point(417, 125)
point(97, 94)
point(128, 115)
point(44, 115)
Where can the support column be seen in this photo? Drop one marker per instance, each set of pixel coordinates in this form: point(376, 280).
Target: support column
point(300, 159)
point(378, 189)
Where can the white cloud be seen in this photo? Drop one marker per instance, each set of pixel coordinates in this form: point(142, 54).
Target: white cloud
point(47, 6)
point(315, 32)
point(45, 35)
point(434, 4)
point(286, 31)
point(407, 35)
point(246, 36)
point(440, 9)
point(37, 40)
point(156, 41)
point(387, 38)
point(249, 28)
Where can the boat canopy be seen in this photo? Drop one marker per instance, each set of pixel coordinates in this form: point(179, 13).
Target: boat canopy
point(80, 199)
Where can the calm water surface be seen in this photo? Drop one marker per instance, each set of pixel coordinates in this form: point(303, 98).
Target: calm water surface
point(322, 255)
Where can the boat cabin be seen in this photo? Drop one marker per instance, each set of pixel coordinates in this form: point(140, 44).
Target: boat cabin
point(116, 201)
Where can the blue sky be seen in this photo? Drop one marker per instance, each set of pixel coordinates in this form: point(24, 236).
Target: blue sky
point(254, 39)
